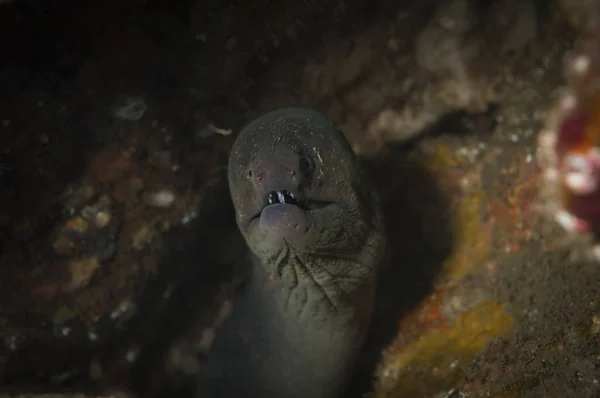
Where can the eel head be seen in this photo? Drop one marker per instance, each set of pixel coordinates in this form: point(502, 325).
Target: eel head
point(297, 188)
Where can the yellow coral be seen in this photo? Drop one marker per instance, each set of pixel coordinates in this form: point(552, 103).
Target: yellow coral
point(472, 238)
point(441, 158)
point(472, 244)
point(437, 360)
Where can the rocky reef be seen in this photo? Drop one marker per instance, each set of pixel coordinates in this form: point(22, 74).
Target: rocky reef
point(478, 122)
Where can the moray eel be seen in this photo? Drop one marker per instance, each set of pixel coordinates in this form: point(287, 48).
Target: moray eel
point(315, 232)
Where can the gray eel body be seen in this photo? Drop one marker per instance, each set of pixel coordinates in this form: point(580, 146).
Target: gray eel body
point(315, 231)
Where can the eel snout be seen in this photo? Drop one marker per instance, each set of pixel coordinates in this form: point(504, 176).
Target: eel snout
point(281, 185)
point(278, 181)
point(276, 172)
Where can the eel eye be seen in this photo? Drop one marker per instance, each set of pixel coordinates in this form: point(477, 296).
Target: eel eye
point(250, 173)
point(307, 163)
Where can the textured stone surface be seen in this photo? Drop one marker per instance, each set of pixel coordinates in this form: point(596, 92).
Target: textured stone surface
point(116, 253)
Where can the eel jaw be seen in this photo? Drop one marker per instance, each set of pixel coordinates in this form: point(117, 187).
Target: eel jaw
point(289, 198)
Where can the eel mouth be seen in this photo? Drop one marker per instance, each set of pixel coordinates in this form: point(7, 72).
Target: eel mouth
point(289, 198)
point(283, 197)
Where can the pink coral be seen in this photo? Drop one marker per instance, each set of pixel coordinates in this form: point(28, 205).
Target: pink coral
point(570, 153)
